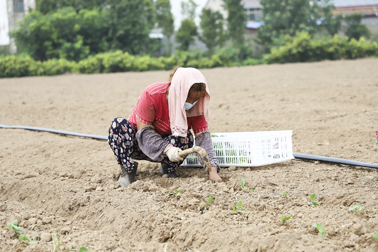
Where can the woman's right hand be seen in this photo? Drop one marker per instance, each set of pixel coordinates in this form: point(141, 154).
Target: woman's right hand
point(173, 154)
point(214, 176)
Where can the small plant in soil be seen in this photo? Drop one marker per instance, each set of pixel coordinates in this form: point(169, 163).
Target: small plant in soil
point(320, 228)
point(242, 183)
point(174, 192)
point(238, 209)
point(313, 202)
point(13, 226)
point(24, 237)
point(56, 244)
point(375, 237)
point(282, 196)
point(243, 187)
point(209, 200)
point(283, 218)
point(356, 209)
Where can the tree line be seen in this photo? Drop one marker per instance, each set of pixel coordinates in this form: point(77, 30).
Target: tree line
point(77, 29)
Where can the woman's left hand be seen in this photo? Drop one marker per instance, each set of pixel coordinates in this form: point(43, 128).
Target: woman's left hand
point(214, 176)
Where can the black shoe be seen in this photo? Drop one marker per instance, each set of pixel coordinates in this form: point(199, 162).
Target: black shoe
point(126, 178)
point(164, 170)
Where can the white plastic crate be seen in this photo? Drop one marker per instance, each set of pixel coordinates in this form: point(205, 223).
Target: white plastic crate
point(246, 149)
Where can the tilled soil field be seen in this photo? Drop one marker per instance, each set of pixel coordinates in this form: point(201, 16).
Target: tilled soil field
point(64, 189)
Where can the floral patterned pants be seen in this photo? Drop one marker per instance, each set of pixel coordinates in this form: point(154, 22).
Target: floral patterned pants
point(123, 143)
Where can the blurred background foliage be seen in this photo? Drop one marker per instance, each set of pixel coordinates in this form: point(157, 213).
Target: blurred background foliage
point(355, 29)
point(96, 36)
point(74, 33)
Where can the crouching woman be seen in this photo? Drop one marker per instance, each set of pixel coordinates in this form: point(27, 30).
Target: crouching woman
point(159, 126)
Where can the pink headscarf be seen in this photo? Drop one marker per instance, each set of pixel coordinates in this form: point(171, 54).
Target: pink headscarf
point(182, 81)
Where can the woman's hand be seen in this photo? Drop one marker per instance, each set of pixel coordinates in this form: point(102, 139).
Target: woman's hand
point(173, 154)
point(213, 175)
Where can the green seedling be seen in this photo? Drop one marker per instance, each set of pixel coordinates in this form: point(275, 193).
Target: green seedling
point(282, 196)
point(83, 249)
point(239, 207)
point(242, 183)
point(209, 200)
point(13, 226)
point(356, 208)
point(24, 237)
point(283, 218)
point(320, 228)
point(174, 192)
point(58, 246)
point(375, 237)
point(55, 241)
point(313, 202)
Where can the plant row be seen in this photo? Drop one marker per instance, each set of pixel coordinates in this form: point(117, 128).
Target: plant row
point(13, 226)
point(238, 209)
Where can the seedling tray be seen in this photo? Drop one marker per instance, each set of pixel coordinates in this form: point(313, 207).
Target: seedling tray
point(246, 149)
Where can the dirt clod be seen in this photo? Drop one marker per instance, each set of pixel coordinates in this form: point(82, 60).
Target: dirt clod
point(46, 237)
point(232, 168)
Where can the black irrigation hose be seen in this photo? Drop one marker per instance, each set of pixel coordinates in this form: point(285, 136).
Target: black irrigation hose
point(296, 155)
point(55, 131)
point(334, 160)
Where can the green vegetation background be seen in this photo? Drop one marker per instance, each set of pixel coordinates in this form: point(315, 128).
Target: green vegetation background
point(102, 36)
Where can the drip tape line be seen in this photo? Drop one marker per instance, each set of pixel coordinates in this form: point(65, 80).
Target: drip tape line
point(334, 160)
point(296, 155)
point(62, 132)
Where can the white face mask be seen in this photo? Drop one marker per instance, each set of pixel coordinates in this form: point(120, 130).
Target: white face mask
point(189, 106)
